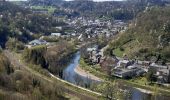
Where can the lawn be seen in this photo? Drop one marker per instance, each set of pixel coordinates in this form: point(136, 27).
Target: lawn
point(140, 80)
point(118, 52)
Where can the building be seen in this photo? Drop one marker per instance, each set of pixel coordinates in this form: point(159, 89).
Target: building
point(80, 38)
point(94, 54)
point(36, 42)
point(56, 34)
point(128, 72)
point(128, 69)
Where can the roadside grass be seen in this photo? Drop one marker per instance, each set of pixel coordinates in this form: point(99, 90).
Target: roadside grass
point(140, 80)
point(71, 97)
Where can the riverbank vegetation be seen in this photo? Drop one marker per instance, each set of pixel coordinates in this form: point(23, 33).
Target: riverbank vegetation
point(53, 58)
point(93, 69)
point(140, 82)
point(109, 87)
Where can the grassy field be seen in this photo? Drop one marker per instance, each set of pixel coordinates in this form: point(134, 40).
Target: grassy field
point(49, 8)
point(95, 70)
point(118, 52)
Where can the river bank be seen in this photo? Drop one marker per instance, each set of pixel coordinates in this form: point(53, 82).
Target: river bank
point(142, 88)
point(84, 73)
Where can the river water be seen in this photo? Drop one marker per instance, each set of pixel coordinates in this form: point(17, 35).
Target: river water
point(71, 76)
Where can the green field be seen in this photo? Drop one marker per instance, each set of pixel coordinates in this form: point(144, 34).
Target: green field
point(49, 8)
point(118, 52)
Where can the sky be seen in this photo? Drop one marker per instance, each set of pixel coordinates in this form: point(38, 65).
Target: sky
point(16, 0)
point(99, 0)
point(72, 0)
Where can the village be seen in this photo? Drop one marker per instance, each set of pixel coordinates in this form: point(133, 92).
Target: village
point(126, 68)
point(86, 29)
point(83, 30)
point(123, 67)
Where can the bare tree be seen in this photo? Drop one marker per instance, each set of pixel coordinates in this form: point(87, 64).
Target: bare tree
point(78, 79)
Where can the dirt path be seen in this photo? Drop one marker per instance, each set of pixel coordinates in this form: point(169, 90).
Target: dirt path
point(84, 73)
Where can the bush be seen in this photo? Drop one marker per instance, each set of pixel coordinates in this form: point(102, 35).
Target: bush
point(122, 49)
point(143, 50)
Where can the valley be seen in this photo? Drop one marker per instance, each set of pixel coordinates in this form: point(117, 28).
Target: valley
point(85, 50)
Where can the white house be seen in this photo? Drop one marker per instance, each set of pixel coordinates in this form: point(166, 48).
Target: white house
point(80, 37)
point(56, 34)
point(37, 42)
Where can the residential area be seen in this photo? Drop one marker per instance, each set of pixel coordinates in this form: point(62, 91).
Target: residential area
point(127, 69)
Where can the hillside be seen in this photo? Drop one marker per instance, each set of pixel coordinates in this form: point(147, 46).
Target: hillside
point(22, 24)
point(19, 84)
point(148, 37)
point(20, 80)
point(53, 58)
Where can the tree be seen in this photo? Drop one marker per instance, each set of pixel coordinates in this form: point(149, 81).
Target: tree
point(155, 92)
point(150, 75)
point(112, 91)
point(78, 79)
point(169, 77)
point(108, 64)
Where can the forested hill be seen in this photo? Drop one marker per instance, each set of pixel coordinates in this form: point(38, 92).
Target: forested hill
point(22, 24)
point(8, 12)
point(147, 37)
point(119, 10)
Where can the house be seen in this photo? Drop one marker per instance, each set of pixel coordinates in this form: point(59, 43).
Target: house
point(95, 56)
point(73, 34)
point(162, 76)
point(80, 37)
point(59, 28)
point(123, 63)
point(91, 49)
point(156, 66)
point(56, 34)
point(128, 73)
point(37, 42)
point(123, 73)
point(128, 69)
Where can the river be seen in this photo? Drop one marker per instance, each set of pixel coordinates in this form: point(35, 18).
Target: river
point(71, 76)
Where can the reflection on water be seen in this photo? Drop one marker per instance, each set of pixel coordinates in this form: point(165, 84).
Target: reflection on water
point(70, 75)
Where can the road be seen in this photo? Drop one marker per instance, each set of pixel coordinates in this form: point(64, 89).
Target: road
point(18, 64)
